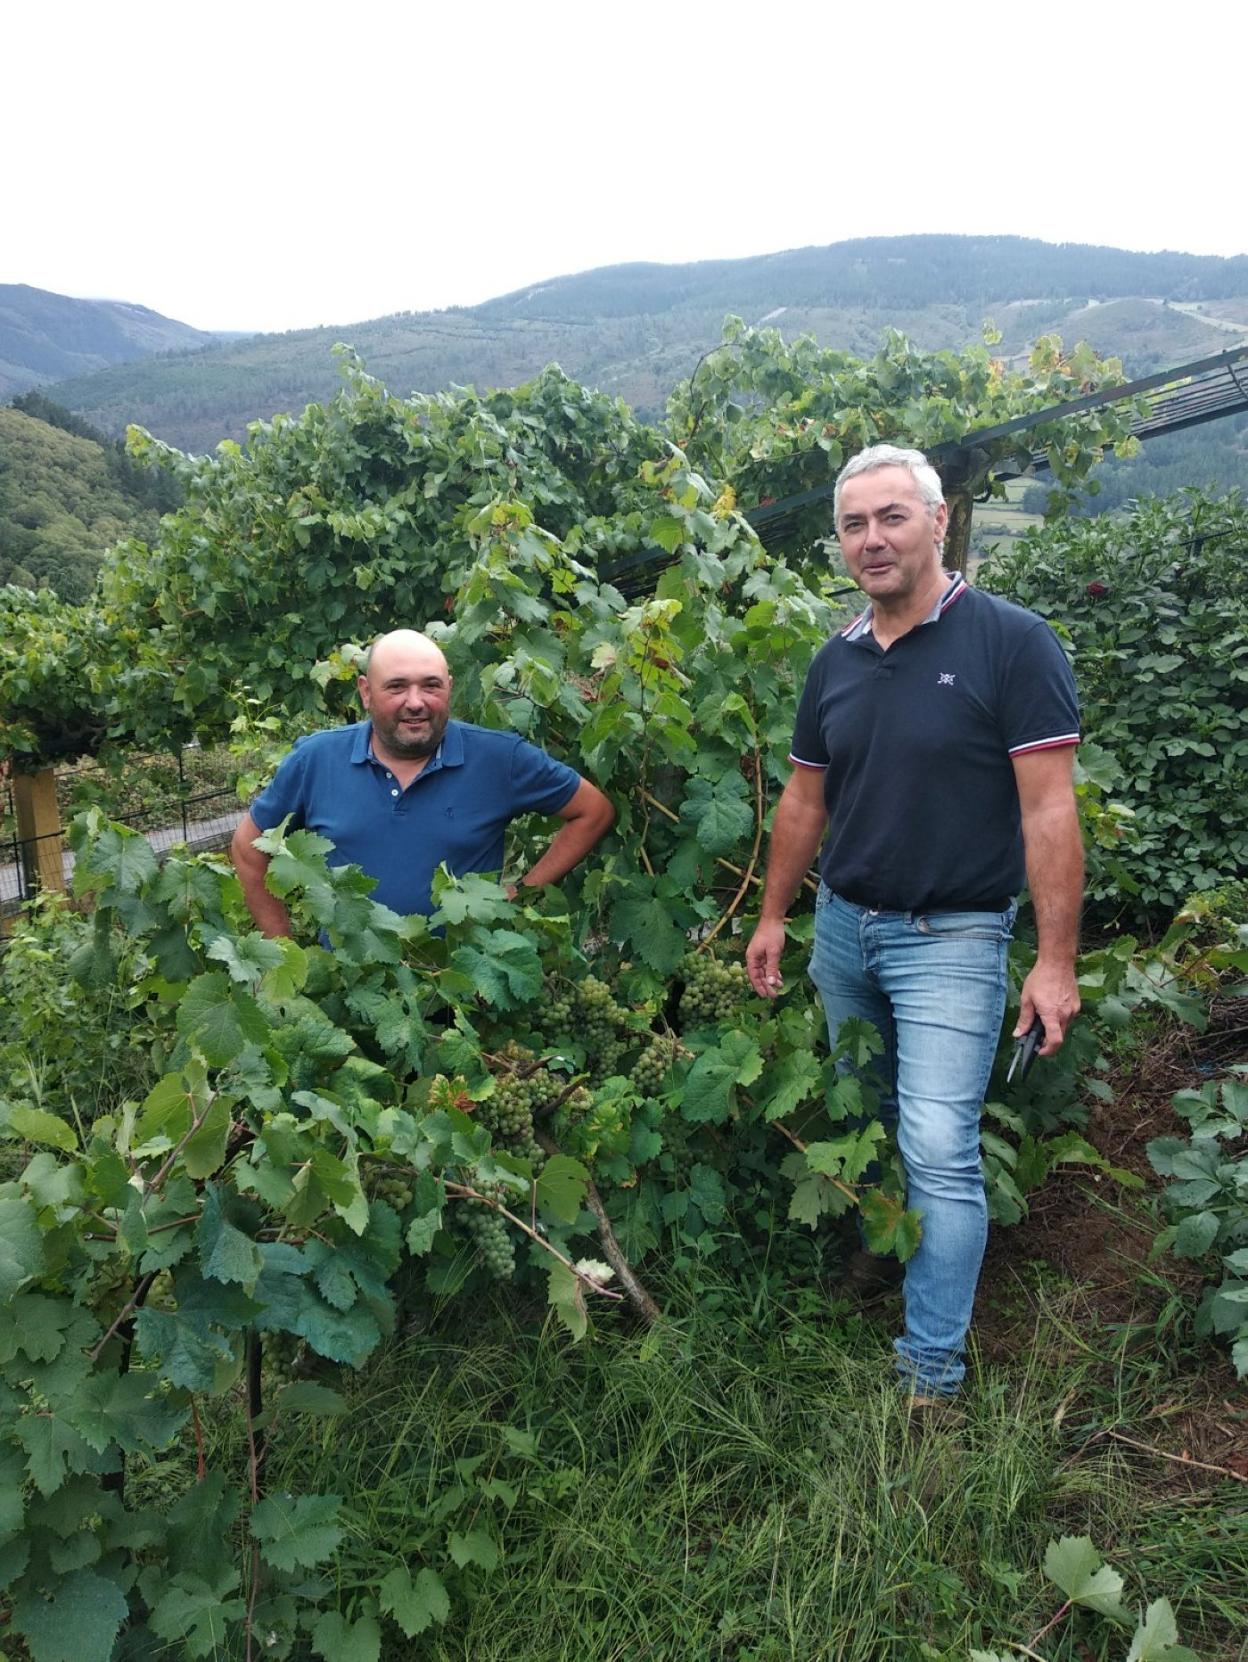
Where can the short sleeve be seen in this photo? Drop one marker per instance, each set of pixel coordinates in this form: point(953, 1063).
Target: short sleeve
point(539, 783)
point(284, 794)
point(809, 749)
point(1039, 703)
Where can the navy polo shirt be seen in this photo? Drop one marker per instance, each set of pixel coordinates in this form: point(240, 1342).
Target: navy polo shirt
point(917, 746)
point(456, 810)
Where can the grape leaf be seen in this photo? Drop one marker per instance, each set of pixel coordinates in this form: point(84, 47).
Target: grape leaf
point(475, 1547)
point(561, 1186)
point(645, 925)
point(36, 1125)
point(338, 1640)
point(296, 1530)
point(198, 1612)
point(1157, 1637)
point(566, 1294)
point(719, 814)
point(503, 967)
point(1074, 1565)
point(414, 1604)
point(21, 1246)
point(78, 1625)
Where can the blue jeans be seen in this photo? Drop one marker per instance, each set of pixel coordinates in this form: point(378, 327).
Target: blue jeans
point(933, 985)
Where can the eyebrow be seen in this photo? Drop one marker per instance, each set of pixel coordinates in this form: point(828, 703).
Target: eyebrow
point(888, 508)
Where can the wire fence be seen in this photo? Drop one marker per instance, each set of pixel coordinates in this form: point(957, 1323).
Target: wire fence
point(171, 800)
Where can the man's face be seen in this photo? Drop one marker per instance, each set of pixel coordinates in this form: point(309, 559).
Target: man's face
point(890, 540)
point(407, 692)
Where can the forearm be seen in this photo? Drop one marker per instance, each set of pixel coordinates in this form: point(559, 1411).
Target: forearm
point(268, 912)
point(1054, 850)
point(796, 834)
point(592, 816)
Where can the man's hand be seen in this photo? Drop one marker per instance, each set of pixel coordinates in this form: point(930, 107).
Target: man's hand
point(1052, 994)
point(762, 958)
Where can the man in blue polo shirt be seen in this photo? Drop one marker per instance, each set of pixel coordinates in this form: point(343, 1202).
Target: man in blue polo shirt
point(934, 746)
point(409, 789)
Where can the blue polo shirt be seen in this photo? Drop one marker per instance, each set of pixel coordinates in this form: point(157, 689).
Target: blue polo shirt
point(917, 743)
point(456, 810)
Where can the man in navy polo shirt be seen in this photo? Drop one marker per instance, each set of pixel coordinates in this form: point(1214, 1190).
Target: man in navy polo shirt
point(409, 789)
point(934, 746)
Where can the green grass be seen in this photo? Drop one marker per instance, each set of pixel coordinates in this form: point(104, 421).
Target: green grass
point(742, 1488)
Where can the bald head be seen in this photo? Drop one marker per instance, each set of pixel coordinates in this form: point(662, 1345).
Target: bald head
point(402, 643)
point(406, 689)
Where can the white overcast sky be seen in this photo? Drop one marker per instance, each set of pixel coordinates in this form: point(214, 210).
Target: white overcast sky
point(275, 165)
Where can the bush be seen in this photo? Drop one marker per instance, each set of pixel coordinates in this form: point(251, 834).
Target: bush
point(1154, 606)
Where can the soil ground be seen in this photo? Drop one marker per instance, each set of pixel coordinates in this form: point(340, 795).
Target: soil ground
point(1087, 1242)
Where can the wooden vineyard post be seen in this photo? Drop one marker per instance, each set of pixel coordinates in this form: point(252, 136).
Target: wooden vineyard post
point(39, 829)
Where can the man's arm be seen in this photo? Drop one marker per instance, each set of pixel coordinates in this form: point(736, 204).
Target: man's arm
point(587, 817)
point(1054, 850)
point(271, 917)
point(796, 833)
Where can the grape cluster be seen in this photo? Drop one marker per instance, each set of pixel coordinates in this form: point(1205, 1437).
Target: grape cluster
point(395, 1189)
point(712, 990)
point(586, 1015)
point(653, 1065)
point(522, 1091)
point(492, 1240)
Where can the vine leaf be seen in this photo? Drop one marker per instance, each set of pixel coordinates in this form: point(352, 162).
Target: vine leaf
point(474, 1547)
point(78, 1625)
point(1074, 1565)
point(566, 1294)
point(197, 1612)
point(338, 1640)
point(645, 924)
point(503, 967)
point(36, 1125)
point(21, 1246)
point(296, 1531)
point(414, 1604)
point(561, 1186)
point(1157, 1637)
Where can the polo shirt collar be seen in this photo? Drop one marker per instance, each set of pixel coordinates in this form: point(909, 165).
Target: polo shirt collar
point(953, 589)
point(449, 754)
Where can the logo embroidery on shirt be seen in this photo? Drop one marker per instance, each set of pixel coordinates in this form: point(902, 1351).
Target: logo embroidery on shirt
point(944, 680)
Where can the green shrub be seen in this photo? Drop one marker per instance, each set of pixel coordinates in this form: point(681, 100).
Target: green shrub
point(1155, 607)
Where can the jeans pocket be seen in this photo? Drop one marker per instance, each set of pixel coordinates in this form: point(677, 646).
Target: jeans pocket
point(967, 926)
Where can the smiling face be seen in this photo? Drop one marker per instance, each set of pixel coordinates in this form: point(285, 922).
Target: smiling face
point(407, 692)
point(890, 538)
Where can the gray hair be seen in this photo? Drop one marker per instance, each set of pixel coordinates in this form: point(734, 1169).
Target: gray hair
point(926, 479)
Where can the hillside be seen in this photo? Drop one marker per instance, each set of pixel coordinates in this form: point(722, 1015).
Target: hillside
point(64, 498)
point(635, 330)
point(47, 337)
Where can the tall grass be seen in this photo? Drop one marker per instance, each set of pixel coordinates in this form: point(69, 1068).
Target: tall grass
point(745, 1486)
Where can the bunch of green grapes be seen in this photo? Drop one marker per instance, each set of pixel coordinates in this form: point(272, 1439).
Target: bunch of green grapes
point(586, 1014)
point(393, 1187)
point(654, 1064)
point(492, 1239)
point(712, 990)
point(279, 1361)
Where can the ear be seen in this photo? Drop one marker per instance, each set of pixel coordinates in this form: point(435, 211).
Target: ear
point(940, 521)
point(361, 686)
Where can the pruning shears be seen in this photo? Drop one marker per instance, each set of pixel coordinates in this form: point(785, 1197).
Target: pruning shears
point(1025, 1049)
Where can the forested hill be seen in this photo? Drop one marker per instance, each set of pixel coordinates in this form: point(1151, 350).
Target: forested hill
point(46, 337)
point(636, 330)
point(882, 273)
point(66, 494)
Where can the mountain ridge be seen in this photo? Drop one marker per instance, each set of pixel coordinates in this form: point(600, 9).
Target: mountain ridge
point(637, 329)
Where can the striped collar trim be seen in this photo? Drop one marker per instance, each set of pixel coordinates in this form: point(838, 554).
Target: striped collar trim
point(954, 590)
